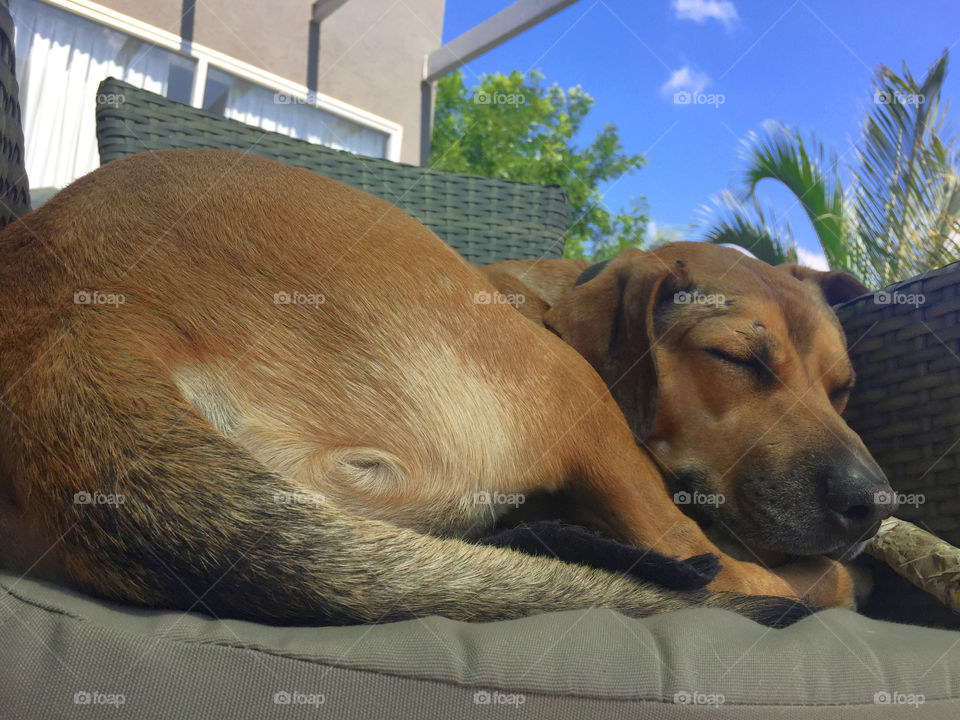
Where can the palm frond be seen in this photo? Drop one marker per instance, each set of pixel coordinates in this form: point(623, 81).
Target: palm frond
point(906, 202)
point(732, 221)
point(781, 154)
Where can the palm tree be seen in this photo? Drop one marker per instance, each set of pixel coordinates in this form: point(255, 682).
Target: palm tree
point(898, 213)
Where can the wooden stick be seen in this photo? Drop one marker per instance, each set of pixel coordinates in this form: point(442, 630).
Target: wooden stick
point(928, 562)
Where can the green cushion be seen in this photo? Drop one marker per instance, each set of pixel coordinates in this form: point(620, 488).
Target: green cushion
point(484, 219)
point(586, 664)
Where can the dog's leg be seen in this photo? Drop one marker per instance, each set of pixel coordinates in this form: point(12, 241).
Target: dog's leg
point(819, 580)
point(826, 583)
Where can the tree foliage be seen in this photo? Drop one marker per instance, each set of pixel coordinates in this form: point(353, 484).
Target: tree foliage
point(512, 127)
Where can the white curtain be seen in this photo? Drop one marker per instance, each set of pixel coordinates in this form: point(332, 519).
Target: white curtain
point(61, 59)
point(277, 112)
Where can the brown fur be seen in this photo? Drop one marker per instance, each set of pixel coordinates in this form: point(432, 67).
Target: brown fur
point(299, 462)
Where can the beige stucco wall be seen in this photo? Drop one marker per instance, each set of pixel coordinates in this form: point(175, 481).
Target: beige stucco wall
point(371, 51)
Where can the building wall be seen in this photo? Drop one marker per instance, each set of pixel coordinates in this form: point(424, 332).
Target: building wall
point(371, 51)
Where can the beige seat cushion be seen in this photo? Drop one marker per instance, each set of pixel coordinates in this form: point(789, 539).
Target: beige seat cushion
point(67, 655)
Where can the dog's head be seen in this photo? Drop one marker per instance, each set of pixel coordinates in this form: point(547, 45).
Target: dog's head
point(734, 375)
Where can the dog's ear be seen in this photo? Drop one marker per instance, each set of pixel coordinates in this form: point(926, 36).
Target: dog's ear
point(836, 286)
point(608, 317)
point(586, 317)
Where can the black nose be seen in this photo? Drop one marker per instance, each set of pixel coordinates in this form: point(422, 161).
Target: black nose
point(859, 497)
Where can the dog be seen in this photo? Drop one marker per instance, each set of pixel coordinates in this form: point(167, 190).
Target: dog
point(734, 383)
point(231, 385)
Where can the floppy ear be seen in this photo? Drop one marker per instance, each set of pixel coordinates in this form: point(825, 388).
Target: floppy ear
point(836, 286)
point(609, 320)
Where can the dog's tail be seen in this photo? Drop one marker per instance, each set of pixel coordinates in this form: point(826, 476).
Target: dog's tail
point(140, 499)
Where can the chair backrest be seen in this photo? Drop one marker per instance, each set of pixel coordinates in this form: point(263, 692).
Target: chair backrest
point(484, 219)
point(14, 187)
point(904, 343)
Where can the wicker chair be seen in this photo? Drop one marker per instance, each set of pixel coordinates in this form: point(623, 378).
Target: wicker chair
point(484, 219)
point(907, 408)
point(14, 187)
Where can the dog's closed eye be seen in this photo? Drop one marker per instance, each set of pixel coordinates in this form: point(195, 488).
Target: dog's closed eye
point(746, 360)
point(840, 394)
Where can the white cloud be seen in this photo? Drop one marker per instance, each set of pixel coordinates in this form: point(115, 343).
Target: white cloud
point(702, 10)
point(812, 259)
point(685, 80)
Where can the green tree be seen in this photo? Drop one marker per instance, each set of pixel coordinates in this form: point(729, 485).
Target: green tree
point(510, 126)
point(896, 216)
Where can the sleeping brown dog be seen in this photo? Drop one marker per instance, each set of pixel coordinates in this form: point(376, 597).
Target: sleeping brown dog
point(734, 380)
point(237, 386)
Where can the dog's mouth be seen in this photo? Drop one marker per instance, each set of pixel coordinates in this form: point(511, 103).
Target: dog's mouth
point(851, 552)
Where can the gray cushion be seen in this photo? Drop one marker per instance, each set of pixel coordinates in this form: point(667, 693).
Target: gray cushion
point(590, 664)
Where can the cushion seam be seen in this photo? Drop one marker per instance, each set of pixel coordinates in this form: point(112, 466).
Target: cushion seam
point(440, 681)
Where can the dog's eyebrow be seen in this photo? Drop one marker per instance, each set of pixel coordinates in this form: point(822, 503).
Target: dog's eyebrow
point(760, 346)
point(684, 318)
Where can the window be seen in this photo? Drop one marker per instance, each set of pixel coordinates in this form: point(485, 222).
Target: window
point(254, 104)
point(61, 60)
point(63, 56)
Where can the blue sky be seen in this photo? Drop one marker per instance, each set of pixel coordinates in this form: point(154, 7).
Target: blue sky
point(806, 63)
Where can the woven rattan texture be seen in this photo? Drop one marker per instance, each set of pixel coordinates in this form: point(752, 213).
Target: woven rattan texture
point(905, 348)
point(484, 219)
point(14, 188)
